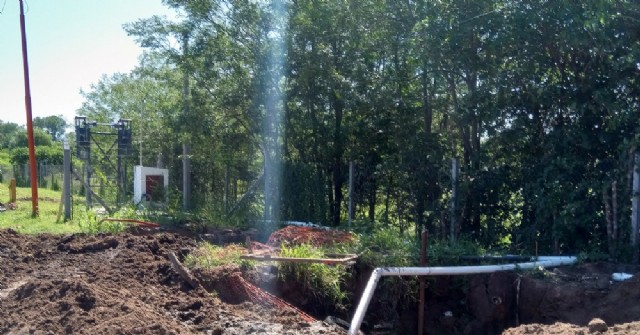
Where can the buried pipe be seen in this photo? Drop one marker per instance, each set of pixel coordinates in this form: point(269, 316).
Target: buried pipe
point(358, 316)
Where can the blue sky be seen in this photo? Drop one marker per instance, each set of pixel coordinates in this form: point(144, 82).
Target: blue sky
point(71, 44)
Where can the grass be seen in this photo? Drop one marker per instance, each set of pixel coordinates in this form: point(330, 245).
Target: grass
point(208, 256)
point(325, 281)
point(21, 219)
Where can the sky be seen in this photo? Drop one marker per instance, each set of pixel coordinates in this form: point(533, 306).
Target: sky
point(71, 44)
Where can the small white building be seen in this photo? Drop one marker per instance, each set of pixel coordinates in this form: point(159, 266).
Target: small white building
point(149, 183)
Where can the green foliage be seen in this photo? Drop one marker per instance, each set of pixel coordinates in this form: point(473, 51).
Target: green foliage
point(445, 253)
point(52, 155)
point(54, 125)
point(208, 256)
point(386, 246)
point(537, 100)
point(19, 138)
point(91, 223)
point(321, 279)
point(8, 132)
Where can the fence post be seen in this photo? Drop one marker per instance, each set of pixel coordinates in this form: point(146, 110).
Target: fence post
point(12, 191)
point(66, 187)
point(454, 195)
point(351, 193)
point(635, 208)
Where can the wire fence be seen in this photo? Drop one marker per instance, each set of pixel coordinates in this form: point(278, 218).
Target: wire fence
point(49, 176)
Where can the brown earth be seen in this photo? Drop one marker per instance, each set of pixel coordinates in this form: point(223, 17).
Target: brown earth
point(580, 300)
point(125, 284)
point(569, 300)
point(120, 284)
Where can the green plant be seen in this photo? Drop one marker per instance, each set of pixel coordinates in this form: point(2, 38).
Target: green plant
point(90, 223)
point(385, 246)
point(208, 256)
point(443, 252)
point(318, 278)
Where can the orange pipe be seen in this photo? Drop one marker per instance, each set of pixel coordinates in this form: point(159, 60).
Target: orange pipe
point(139, 222)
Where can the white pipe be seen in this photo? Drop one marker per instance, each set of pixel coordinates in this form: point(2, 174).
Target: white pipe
point(367, 295)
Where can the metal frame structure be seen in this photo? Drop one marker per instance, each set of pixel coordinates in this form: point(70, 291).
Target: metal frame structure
point(102, 147)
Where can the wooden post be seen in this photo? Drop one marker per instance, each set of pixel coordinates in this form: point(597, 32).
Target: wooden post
point(12, 190)
point(635, 202)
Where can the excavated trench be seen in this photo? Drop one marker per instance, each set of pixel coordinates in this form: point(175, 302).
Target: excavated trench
point(124, 284)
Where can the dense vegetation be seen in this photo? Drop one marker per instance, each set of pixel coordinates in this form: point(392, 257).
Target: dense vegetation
point(537, 100)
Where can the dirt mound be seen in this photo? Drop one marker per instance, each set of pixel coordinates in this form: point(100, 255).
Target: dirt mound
point(310, 235)
point(596, 326)
point(118, 284)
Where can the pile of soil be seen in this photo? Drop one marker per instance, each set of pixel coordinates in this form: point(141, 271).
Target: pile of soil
point(125, 284)
point(122, 284)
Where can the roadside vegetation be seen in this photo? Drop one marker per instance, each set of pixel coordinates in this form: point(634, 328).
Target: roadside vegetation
point(21, 220)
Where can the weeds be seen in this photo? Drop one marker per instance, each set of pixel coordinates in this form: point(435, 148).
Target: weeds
point(208, 256)
point(90, 223)
point(321, 279)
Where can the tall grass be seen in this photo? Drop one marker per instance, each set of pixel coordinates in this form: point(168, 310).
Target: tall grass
point(208, 256)
point(321, 279)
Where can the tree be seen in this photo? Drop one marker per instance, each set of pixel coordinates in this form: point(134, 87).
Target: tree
point(54, 125)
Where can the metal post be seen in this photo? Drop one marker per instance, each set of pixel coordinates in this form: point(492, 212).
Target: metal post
point(351, 193)
point(186, 148)
point(454, 195)
point(66, 184)
point(423, 262)
point(87, 170)
point(635, 208)
point(27, 100)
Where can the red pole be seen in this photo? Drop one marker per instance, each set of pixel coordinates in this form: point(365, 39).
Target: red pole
point(27, 100)
point(423, 262)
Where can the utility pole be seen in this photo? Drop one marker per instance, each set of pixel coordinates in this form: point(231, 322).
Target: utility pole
point(27, 100)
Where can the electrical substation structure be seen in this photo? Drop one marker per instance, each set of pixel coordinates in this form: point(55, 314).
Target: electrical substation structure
point(103, 148)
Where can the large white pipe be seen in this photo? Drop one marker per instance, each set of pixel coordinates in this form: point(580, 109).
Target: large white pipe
point(358, 316)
